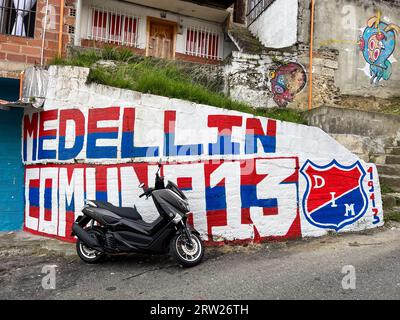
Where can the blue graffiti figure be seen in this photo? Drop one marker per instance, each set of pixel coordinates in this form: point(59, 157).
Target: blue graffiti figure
point(377, 45)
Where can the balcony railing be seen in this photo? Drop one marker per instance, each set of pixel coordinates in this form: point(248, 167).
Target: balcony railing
point(112, 26)
point(256, 9)
point(203, 43)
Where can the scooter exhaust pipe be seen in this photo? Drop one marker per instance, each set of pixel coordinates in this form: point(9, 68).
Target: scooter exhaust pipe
point(85, 237)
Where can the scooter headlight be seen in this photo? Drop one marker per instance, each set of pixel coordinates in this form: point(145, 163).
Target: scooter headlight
point(90, 203)
point(177, 218)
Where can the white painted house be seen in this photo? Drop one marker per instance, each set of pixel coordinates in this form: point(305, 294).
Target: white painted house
point(187, 30)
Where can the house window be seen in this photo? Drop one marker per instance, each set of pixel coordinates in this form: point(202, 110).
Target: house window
point(114, 27)
point(71, 29)
point(17, 17)
point(203, 43)
point(72, 12)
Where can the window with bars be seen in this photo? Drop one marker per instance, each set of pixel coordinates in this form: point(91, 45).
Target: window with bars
point(113, 27)
point(203, 43)
point(72, 12)
point(17, 17)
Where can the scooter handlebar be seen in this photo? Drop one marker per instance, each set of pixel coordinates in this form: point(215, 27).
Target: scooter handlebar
point(147, 192)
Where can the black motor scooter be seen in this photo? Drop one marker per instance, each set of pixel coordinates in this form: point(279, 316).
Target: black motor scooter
point(104, 229)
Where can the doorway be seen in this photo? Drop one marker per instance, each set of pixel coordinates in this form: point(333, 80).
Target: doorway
point(161, 38)
point(12, 169)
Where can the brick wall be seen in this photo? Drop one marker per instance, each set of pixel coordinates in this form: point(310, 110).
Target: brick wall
point(27, 51)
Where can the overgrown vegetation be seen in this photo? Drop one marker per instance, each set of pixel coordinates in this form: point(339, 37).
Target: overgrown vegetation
point(166, 78)
point(386, 189)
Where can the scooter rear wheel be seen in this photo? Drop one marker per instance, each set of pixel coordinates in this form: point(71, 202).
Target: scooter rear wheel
point(87, 254)
point(186, 254)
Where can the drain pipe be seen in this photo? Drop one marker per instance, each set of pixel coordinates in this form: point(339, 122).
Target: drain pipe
point(44, 33)
point(21, 84)
point(310, 74)
point(60, 33)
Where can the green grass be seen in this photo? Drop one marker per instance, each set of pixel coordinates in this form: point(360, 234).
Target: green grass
point(386, 189)
point(165, 78)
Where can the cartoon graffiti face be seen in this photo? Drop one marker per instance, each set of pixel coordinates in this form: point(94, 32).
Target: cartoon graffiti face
point(377, 44)
point(286, 82)
point(375, 47)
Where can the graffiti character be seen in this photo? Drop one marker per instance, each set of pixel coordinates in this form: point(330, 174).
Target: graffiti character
point(286, 81)
point(377, 44)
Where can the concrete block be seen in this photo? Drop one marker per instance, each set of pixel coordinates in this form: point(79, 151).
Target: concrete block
point(393, 159)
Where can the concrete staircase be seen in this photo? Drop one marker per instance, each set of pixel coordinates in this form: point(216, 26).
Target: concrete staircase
point(388, 166)
point(244, 39)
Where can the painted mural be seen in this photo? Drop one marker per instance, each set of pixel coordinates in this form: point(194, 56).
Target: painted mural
point(242, 184)
point(247, 178)
point(231, 200)
point(286, 81)
point(325, 201)
point(377, 45)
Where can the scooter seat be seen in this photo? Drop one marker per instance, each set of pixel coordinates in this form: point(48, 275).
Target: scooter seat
point(150, 227)
point(126, 212)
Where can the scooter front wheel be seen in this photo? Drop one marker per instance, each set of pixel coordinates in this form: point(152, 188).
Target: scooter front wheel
point(187, 255)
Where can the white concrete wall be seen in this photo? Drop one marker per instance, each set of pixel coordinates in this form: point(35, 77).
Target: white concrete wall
point(276, 27)
point(294, 181)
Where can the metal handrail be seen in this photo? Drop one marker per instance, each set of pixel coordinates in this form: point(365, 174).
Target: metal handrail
point(263, 4)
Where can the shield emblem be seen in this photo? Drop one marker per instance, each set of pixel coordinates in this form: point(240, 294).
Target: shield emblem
point(334, 195)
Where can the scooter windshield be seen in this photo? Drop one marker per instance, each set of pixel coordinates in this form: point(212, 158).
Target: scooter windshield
point(173, 187)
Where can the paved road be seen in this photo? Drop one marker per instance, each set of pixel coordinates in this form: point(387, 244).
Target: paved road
point(304, 269)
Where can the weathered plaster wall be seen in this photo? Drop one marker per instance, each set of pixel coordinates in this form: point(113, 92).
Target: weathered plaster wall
point(364, 133)
point(277, 26)
point(247, 178)
point(339, 25)
point(247, 79)
point(343, 72)
point(280, 78)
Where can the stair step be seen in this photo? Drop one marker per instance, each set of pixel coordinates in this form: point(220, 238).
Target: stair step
point(390, 200)
point(389, 169)
point(393, 150)
point(243, 37)
point(392, 159)
point(391, 181)
point(378, 158)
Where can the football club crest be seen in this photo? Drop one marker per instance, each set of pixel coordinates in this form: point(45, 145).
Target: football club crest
point(334, 195)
